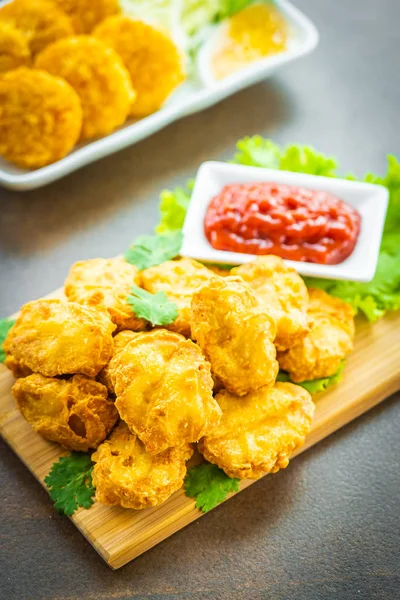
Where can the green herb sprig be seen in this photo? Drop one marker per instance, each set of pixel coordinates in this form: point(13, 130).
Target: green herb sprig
point(155, 308)
point(70, 483)
point(151, 250)
point(209, 485)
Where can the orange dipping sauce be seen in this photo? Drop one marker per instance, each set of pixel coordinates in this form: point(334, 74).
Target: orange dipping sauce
point(292, 222)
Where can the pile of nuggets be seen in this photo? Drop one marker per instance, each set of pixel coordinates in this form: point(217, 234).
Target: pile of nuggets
point(93, 375)
point(72, 70)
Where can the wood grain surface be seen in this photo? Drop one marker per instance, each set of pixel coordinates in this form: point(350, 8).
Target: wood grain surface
point(119, 535)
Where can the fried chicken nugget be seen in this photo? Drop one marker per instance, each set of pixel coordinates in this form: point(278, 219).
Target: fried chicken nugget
point(121, 340)
point(178, 279)
point(40, 118)
point(126, 475)
point(17, 367)
point(57, 337)
point(328, 342)
point(281, 290)
point(98, 76)
point(75, 413)
point(14, 49)
point(164, 390)
point(259, 432)
point(106, 282)
point(154, 62)
point(86, 14)
point(235, 333)
point(40, 21)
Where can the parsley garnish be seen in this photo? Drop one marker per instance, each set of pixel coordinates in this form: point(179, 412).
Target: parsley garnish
point(5, 326)
point(150, 250)
point(209, 485)
point(70, 483)
point(155, 308)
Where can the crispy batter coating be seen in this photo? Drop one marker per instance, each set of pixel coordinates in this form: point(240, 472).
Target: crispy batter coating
point(259, 432)
point(329, 340)
point(219, 270)
point(17, 367)
point(76, 412)
point(98, 76)
point(178, 279)
point(14, 49)
point(235, 333)
point(282, 292)
point(154, 62)
point(57, 337)
point(128, 476)
point(86, 14)
point(106, 282)
point(121, 340)
point(40, 117)
point(40, 21)
point(164, 390)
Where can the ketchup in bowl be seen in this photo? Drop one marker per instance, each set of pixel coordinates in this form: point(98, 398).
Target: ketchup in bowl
point(292, 222)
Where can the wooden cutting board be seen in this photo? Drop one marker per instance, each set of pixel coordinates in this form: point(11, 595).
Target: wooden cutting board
point(371, 374)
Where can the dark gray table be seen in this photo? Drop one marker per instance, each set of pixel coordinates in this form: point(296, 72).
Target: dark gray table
point(327, 527)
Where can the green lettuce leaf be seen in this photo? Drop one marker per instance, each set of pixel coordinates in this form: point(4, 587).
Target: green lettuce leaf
point(314, 386)
point(5, 326)
point(173, 207)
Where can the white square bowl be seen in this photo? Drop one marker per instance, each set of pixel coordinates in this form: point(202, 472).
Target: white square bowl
point(370, 200)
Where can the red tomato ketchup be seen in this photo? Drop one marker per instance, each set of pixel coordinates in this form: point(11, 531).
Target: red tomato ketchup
point(292, 222)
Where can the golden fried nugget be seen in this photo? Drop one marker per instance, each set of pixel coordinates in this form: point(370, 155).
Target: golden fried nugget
point(86, 14)
point(57, 337)
point(126, 475)
point(164, 390)
point(121, 340)
point(282, 292)
point(329, 340)
point(76, 412)
point(106, 282)
point(14, 49)
point(154, 62)
point(17, 367)
point(235, 333)
point(259, 432)
point(178, 279)
point(40, 117)
point(40, 21)
point(219, 270)
point(98, 76)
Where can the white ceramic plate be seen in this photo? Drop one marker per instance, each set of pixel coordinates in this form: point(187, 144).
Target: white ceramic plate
point(370, 200)
point(192, 97)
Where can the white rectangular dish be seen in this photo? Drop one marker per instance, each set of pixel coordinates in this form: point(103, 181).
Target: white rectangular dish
point(369, 199)
point(193, 96)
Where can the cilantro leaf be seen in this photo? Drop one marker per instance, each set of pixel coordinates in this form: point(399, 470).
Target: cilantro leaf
point(5, 326)
point(155, 308)
point(313, 386)
point(70, 483)
point(150, 250)
point(173, 207)
point(209, 485)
